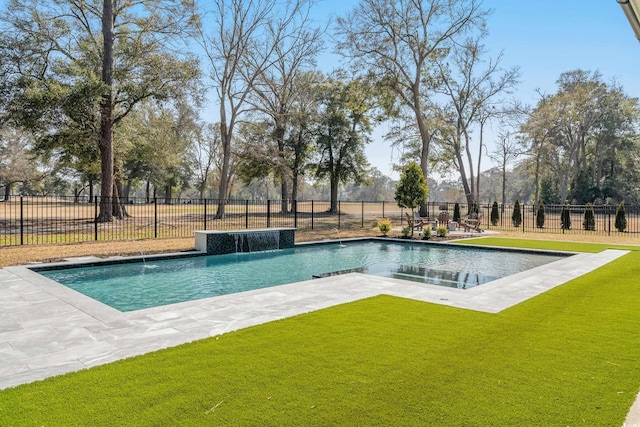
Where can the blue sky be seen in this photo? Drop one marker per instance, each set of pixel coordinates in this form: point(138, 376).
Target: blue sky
point(546, 38)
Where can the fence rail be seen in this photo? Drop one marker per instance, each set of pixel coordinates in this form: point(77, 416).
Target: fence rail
point(29, 220)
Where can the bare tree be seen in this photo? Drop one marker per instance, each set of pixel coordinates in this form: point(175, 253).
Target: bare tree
point(204, 152)
point(241, 47)
point(16, 163)
point(398, 41)
point(508, 149)
point(471, 94)
point(278, 91)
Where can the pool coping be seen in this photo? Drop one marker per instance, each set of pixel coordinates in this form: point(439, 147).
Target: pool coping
point(48, 329)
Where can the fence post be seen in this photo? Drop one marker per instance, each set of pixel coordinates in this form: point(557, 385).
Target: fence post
point(205, 213)
point(338, 214)
point(155, 217)
point(609, 220)
point(95, 217)
point(362, 216)
point(21, 221)
point(383, 209)
point(246, 213)
point(523, 209)
point(268, 213)
point(312, 214)
point(295, 214)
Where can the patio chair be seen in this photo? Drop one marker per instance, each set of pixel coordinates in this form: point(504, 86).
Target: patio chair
point(413, 222)
point(471, 224)
point(425, 220)
point(418, 223)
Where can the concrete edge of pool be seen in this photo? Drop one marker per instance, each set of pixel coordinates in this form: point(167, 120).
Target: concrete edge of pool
point(48, 329)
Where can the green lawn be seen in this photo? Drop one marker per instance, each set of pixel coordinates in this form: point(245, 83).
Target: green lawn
point(547, 244)
point(570, 356)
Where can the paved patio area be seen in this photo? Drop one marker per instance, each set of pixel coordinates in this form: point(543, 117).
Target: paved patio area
point(47, 329)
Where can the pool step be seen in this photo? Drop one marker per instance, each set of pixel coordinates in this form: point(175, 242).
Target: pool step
point(453, 279)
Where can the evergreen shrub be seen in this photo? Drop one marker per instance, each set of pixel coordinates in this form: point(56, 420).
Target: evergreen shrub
point(516, 217)
point(589, 220)
point(495, 215)
point(456, 212)
point(621, 218)
point(565, 217)
point(540, 216)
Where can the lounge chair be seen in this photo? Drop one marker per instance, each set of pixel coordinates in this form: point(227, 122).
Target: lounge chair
point(471, 223)
point(414, 223)
point(425, 220)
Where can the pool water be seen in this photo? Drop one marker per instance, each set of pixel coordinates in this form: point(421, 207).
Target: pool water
point(134, 286)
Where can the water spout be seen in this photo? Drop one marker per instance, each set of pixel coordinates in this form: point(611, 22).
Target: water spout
point(144, 262)
point(339, 240)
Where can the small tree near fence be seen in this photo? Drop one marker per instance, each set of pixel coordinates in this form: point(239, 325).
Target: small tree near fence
point(565, 217)
point(516, 217)
point(621, 218)
point(456, 212)
point(411, 191)
point(589, 220)
point(540, 215)
point(495, 215)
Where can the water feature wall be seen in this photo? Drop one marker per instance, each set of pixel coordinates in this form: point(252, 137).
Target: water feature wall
point(217, 242)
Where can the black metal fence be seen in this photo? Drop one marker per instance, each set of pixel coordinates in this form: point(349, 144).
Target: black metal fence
point(603, 218)
point(28, 220)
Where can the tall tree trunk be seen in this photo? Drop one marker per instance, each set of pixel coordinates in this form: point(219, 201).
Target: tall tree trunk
point(119, 208)
point(472, 183)
point(536, 198)
point(504, 184)
point(106, 115)
point(425, 136)
point(167, 194)
point(127, 190)
point(90, 191)
point(148, 190)
point(223, 188)
point(7, 191)
point(294, 186)
point(284, 192)
point(465, 182)
point(334, 183)
point(478, 168)
point(282, 169)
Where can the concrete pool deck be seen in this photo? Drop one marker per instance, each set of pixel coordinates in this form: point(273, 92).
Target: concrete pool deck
point(47, 329)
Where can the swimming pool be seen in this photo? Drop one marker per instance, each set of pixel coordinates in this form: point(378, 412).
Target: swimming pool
point(134, 286)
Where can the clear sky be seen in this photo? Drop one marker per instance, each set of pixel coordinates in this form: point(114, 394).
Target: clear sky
point(546, 38)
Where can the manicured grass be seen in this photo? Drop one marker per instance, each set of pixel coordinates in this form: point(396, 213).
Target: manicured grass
point(555, 245)
point(570, 356)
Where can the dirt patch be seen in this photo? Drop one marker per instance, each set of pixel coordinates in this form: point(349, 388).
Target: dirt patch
point(19, 255)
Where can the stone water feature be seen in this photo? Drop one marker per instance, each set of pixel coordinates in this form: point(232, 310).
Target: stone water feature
point(218, 242)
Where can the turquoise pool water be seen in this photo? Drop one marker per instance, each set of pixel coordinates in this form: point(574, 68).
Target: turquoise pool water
point(134, 286)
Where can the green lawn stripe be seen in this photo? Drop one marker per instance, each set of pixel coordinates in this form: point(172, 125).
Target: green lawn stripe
point(546, 244)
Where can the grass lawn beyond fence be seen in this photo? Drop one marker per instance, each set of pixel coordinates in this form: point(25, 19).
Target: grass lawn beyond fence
point(570, 356)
